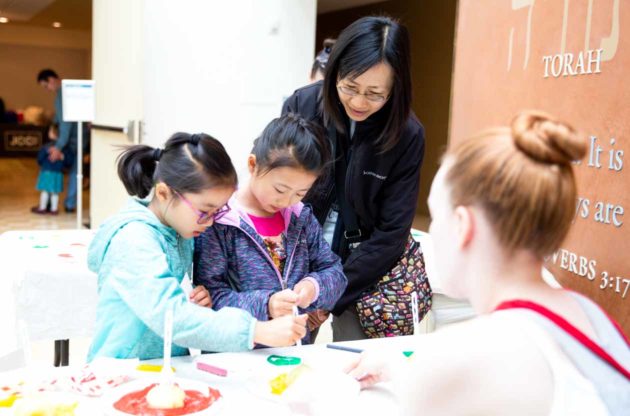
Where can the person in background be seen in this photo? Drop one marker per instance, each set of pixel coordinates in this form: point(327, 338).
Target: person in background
point(3, 111)
point(500, 203)
point(319, 65)
point(364, 103)
point(50, 179)
point(7, 117)
point(143, 257)
point(267, 255)
point(67, 141)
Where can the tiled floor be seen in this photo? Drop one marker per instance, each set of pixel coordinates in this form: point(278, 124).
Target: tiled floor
point(17, 195)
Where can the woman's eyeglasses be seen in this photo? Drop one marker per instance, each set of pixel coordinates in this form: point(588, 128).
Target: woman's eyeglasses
point(203, 217)
point(375, 98)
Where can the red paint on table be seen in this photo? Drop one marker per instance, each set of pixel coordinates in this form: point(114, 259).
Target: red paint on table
point(135, 403)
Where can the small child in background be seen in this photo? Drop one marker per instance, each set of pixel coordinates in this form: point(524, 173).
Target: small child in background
point(268, 255)
point(143, 257)
point(50, 179)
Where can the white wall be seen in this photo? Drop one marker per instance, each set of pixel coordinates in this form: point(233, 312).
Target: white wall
point(118, 60)
point(118, 73)
point(41, 36)
point(224, 68)
point(219, 67)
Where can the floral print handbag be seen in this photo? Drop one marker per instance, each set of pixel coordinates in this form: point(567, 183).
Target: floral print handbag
point(385, 310)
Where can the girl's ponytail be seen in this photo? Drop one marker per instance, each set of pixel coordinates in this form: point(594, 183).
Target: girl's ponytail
point(188, 163)
point(136, 167)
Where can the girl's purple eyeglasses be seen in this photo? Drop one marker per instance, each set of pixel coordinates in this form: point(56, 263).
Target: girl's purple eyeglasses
point(203, 217)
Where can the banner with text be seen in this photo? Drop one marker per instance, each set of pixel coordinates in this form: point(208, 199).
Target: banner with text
point(570, 59)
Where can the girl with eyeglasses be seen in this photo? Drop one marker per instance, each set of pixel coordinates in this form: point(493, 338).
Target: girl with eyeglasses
point(143, 254)
point(267, 255)
point(364, 103)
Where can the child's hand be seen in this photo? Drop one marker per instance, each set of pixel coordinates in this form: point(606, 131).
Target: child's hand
point(54, 154)
point(281, 303)
point(201, 296)
point(317, 318)
point(280, 332)
point(305, 290)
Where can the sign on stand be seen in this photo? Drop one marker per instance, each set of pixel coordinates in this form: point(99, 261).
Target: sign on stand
point(77, 98)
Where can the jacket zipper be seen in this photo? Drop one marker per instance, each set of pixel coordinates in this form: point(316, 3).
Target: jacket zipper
point(287, 269)
point(267, 256)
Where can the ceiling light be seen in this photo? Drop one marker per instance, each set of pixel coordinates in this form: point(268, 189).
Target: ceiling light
point(56, 25)
point(4, 20)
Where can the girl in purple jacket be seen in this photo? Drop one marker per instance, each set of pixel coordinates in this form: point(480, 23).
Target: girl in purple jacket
point(267, 255)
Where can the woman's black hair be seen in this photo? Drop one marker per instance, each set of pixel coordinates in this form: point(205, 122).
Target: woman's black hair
point(319, 64)
point(292, 141)
point(365, 43)
point(188, 163)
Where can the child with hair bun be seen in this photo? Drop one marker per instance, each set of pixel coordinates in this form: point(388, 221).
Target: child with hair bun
point(501, 202)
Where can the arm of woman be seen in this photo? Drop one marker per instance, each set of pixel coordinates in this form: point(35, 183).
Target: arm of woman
point(375, 256)
point(211, 271)
point(498, 372)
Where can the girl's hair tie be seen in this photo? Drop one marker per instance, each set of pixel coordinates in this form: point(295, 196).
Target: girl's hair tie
point(157, 154)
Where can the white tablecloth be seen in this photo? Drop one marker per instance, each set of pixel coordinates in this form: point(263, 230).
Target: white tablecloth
point(45, 282)
point(246, 394)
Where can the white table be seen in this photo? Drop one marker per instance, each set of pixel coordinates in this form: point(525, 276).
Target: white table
point(240, 398)
point(46, 284)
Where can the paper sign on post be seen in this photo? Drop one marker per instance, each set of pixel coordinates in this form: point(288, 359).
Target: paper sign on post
point(78, 101)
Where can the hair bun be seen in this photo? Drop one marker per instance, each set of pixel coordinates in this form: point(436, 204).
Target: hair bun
point(545, 139)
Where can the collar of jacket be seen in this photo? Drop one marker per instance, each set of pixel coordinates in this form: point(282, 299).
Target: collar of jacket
point(237, 214)
point(168, 232)
point(237, 217)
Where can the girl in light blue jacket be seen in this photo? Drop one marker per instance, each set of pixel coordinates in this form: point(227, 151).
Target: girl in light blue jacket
point(143, 254)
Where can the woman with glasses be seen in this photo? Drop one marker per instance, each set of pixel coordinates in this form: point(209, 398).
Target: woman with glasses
point(143, 254)
point(367, 203)
point(267, 256)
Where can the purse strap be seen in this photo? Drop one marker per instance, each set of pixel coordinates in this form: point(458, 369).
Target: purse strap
point(352, 232)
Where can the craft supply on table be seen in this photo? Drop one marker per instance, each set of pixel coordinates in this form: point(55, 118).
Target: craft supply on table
point(151, 368)
point(281, 360)
point(208, 368)
point(282, 381)
point(296, 313)
point(343, 348)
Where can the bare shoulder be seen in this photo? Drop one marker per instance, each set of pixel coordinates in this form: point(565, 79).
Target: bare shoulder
point(484, 366)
